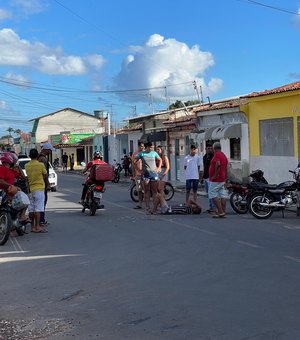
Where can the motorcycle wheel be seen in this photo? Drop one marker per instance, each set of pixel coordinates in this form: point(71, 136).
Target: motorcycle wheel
point(21, 230)
point(134, 194)
point(257, 210)
point(93, 208)
point(169, 191)
point(238, 203)
point(5, 227)
point(117, 178)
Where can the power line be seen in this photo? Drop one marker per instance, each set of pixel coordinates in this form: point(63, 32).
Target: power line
point(271, 7)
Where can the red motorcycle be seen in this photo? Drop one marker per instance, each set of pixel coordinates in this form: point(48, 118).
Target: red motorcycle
point(241, 193)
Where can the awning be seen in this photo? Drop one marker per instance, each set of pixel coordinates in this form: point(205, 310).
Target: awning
point(227, 131)
point(221, 132)
point(154, 137)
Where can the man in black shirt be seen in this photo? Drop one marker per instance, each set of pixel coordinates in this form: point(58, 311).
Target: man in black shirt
point(205, 178)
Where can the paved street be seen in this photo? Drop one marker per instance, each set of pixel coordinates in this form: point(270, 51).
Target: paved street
point(123, 274)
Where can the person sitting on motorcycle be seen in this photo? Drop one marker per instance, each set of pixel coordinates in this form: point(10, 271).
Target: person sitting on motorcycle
point(89, 180)
point(9, 173)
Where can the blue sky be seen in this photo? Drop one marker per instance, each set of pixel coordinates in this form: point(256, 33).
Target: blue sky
point(134, 56)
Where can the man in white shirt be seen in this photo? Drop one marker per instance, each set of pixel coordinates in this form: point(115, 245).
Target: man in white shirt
point(192, 163)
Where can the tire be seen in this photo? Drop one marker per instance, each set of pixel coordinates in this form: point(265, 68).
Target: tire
point(169, 191)
point(83, 210)
point(21, 230)
point(258, 211)
point(117, 178)
point(93, 208)
point(5, 227)
point(53, 189)
point(134, 193)
point(238, 203)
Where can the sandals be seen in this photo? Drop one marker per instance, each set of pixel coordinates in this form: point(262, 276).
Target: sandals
point(138, 207)
point(39, 231)
point(219, 216)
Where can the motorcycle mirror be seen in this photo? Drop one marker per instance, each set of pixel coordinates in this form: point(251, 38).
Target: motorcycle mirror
point(82, 164)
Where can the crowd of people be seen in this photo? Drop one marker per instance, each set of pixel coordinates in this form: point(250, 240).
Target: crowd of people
point(150, 169)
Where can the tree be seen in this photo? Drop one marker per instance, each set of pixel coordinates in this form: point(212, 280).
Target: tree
point(10, 130)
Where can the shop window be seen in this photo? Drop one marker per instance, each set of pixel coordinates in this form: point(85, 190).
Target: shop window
point(235, 149)
point(276, 137)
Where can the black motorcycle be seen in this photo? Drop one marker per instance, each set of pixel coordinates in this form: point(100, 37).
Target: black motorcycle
point(117, 170)
point(273, 197)
point(93, 198)
point(9, 219)
point(239, 194)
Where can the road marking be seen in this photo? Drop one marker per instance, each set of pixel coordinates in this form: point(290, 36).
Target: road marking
point(16, 245)
point(292, 258)
point(290, 227)
point(252, 245)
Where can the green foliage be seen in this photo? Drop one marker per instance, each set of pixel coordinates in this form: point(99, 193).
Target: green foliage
point(179, 104)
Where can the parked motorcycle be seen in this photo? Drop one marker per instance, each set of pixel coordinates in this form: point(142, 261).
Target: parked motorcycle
point(240, 193)
point(55, 163)
point(117, 170)
point(168, 191)
point(93, 198)
point(9, 219)
point(273, 197)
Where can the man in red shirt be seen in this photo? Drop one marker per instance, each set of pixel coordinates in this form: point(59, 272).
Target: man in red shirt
point(89, 181)
point(217, 179)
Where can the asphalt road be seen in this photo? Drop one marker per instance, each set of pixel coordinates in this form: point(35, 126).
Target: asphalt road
point(123, 274)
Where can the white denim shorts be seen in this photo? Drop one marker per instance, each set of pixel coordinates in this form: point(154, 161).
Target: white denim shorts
point(216, 189)
point(37, 201)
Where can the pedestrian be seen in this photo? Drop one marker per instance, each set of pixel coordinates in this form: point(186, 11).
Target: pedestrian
point(72, 162)
point(137, 174)
point(126, 164)
point(43, 157)
point(165, 168)
point(192, 163)
point(65, 162)
point(165, 209)
point(205, 175)
point(151, 166)
point(217, 179)
point(38, 182)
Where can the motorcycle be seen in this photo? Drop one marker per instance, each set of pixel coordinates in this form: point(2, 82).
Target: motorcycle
point(168, 191)
point(117, 171)
point(239, 193)
point(93, 197)
point(273, 197)
point(55, 163)
point(9, 219)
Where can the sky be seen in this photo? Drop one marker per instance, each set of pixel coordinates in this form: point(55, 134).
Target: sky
point(136, 57)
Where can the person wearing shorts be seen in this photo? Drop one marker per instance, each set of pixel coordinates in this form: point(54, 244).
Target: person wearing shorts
point(137, 174)
point(151, 166)
point(217, 178)
point(37, 177)
point(192, 163)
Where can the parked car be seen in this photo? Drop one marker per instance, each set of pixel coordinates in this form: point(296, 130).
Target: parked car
point(52, 174)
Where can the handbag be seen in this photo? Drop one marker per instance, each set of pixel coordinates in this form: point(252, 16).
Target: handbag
point(20, 201)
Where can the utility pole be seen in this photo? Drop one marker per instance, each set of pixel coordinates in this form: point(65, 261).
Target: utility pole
point(196, 88)
point(151, 102)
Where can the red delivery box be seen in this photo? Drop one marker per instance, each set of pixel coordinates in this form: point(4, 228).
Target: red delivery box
point(103, 172)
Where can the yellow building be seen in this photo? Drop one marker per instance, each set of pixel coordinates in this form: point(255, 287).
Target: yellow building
point(274, 130)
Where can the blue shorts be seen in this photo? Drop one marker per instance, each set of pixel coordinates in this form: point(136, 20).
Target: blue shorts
point(192, 184)
point(150, 176)
point(216, 189)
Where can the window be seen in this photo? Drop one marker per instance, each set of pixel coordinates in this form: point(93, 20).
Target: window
point(276, 137)
point(235, 149)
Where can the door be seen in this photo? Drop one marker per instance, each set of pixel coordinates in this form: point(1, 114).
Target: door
point(177, 159)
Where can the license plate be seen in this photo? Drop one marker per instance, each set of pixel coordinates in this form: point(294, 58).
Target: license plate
point(97, 194)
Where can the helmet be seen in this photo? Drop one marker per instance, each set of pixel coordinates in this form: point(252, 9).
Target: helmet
point(97, 155)
point(7, 157)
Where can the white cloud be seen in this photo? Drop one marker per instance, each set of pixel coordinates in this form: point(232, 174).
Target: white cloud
point(297, 18)
point(29, 7)
point(4, 14)
point(162, 62)
point(17, 79)
point(19, 52)
point(96, 60)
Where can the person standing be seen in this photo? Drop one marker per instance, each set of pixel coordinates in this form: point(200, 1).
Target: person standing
point(205, 177)
point(65, 162)
point(137, 174)
point(72, 162)
point(165, 168)
point(37, 177)
point(43, 157)
point(151, 166)
point(192, 163)
point(217, 178)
